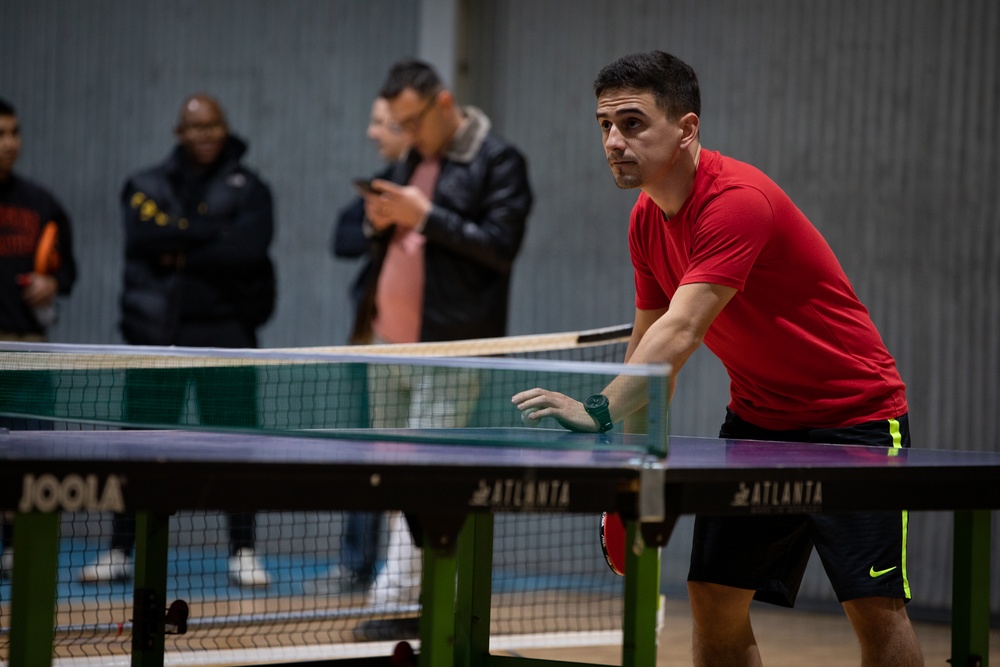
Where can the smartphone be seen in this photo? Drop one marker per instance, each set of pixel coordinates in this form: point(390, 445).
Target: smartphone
point(364, 186)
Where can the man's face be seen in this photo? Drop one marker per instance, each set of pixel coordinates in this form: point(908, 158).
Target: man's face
point(10, 144)
point(202, 131)
point(422, 120)
point(641, 144)
point(390, 139)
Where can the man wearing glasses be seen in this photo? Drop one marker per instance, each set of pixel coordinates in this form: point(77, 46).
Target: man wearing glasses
point(445, 228)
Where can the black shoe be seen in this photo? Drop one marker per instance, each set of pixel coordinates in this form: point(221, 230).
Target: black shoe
point(387, 630)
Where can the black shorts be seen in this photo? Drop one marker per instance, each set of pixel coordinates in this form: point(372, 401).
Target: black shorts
point(863, 553)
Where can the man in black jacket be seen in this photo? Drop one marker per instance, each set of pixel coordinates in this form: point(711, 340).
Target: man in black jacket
point(197, 274)
point(445, 228)
point(36, 265)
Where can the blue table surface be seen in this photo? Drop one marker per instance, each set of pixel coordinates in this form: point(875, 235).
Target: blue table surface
point(497, 447)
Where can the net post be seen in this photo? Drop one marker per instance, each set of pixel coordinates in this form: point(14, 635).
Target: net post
point(658, 412)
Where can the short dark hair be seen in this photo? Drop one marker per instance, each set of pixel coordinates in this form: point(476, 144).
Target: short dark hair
point(410, 73)
point(672, 81)
point(6, 108)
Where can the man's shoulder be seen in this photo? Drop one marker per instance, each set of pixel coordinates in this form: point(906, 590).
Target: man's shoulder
point(495, 145)
point(33, 193)
point(243, 176)
point(235, 175)
point(730, 172)
point(30, 187)
point(154, 173)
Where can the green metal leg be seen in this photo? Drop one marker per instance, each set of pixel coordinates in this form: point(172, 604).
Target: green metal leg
point(970, 602)
point(33, 593)
point(475, 588)
point(152, 533)
point(642, 599)
point(437, 615)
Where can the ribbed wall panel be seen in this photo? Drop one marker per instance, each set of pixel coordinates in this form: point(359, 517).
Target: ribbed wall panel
point(879, 119)
point(98, 87)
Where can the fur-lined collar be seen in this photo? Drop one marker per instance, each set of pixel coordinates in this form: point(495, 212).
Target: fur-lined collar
point(466, 142)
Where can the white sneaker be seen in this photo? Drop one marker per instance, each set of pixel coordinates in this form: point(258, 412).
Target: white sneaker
point(113, 565)
point(6, 563)
point(246, 569)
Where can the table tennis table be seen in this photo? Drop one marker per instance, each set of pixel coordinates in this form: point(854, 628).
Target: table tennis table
point(450, 492)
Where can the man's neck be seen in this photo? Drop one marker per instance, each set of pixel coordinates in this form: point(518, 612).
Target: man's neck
point(671, 194)
point(458, 122)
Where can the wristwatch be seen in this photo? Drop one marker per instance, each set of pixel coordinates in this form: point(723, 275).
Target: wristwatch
point(597, 407)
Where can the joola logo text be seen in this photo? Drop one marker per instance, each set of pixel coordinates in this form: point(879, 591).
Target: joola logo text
point(535, 494)
point(48, 493)
point(768, 496)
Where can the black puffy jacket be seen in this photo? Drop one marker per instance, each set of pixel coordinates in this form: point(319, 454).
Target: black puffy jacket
point(202, 236)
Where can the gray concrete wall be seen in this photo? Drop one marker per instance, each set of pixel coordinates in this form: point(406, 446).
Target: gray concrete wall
point(879, 119)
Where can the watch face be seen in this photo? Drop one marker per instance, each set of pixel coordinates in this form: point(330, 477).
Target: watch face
point(596, 402)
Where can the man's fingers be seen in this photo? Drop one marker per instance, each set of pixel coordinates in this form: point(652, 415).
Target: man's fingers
point(523, 396)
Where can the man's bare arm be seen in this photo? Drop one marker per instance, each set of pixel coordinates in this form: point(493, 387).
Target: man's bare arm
point(658, 337)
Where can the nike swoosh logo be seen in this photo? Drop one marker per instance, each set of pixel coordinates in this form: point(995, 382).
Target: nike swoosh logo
point(873, 573)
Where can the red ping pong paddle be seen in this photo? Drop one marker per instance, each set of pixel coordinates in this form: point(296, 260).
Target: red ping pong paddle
point(403, 655)
point(613, 541)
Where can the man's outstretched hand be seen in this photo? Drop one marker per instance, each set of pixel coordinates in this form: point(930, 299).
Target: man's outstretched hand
point(537, 403)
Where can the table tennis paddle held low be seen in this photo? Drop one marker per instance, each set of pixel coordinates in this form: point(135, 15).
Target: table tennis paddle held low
point(613, 541)
point(46, 262)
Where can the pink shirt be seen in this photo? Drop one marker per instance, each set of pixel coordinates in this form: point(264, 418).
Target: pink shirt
point(399, 296)
point(800, 348)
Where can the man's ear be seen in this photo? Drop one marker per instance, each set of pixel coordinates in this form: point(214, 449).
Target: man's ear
point(445, 99)
point(689, 124)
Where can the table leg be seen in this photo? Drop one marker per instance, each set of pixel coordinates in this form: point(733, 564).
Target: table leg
point(970, 603)
point(642, 599)
point(33, 589)
point(152, 533)
point(475, 588)
point(437, 604)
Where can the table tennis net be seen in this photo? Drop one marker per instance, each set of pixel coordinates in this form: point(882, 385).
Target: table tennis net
point(363, 391)
point(551, 585)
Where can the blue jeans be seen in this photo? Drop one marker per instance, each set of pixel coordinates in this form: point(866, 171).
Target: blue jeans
point(359, 545)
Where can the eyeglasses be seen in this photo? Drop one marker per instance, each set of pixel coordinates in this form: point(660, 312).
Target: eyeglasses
point(412, 124)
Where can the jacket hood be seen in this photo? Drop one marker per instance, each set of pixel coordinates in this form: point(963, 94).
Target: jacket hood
point(232, 151)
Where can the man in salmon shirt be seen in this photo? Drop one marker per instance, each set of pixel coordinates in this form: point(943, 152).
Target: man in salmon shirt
point(722, 256)
point(445, 228)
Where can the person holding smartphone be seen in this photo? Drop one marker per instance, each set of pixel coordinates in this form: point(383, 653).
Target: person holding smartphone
point(445, 228)
point(360, 538)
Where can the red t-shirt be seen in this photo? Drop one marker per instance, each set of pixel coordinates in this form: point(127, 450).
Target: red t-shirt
point(800, 348)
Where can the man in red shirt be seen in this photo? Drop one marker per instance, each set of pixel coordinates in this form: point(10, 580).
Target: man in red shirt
point(722, 256)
